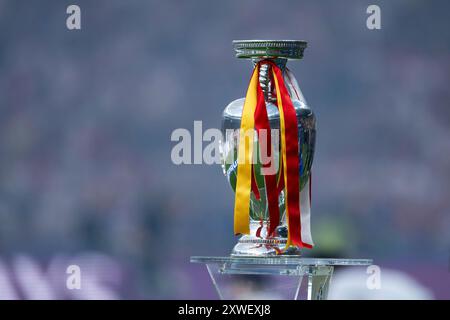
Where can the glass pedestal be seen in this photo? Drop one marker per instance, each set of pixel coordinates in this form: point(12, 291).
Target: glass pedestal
point(273, 277)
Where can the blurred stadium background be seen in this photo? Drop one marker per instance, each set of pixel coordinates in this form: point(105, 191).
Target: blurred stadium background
point(86, 118)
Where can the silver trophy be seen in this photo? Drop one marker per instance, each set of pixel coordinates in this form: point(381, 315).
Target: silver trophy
point(258, 242)
point(260, 265)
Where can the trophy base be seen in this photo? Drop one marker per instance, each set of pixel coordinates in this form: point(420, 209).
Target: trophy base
point(257, 244)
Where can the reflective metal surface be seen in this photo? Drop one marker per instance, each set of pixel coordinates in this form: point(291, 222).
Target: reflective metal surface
point(278, 52)
point(289, 49)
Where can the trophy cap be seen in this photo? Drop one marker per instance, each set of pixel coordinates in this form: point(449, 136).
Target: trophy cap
point(288, 49)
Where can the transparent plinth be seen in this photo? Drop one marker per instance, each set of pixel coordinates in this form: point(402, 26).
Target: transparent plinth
point(270, 278)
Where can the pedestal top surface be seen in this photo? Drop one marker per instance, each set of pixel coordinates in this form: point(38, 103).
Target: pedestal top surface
point(282, 261)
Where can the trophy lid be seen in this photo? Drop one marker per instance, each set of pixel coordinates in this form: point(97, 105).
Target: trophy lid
point(288, 49)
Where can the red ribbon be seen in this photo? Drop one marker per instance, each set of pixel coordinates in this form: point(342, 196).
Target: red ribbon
point(292, 160)
point(289, 171)
point(265, 143)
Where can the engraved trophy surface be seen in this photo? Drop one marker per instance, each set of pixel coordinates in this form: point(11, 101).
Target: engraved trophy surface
point(266, 52)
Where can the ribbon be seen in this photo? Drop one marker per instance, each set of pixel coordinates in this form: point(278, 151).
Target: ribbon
point(245, 153)
point(305, 194)
point(254, 116)
point(290, 155)
point(262, 127)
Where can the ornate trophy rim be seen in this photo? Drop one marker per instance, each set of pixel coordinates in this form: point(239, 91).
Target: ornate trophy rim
point(288, 49)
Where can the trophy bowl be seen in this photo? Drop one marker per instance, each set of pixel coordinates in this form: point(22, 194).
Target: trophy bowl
point(267, 53)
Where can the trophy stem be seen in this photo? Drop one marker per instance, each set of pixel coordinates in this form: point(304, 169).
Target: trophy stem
point(265, 76)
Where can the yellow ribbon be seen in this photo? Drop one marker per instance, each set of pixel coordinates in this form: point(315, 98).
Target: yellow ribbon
point(245, 154)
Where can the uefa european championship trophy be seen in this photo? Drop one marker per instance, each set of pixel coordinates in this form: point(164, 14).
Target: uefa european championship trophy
point(269, 231)
point(267, 154)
